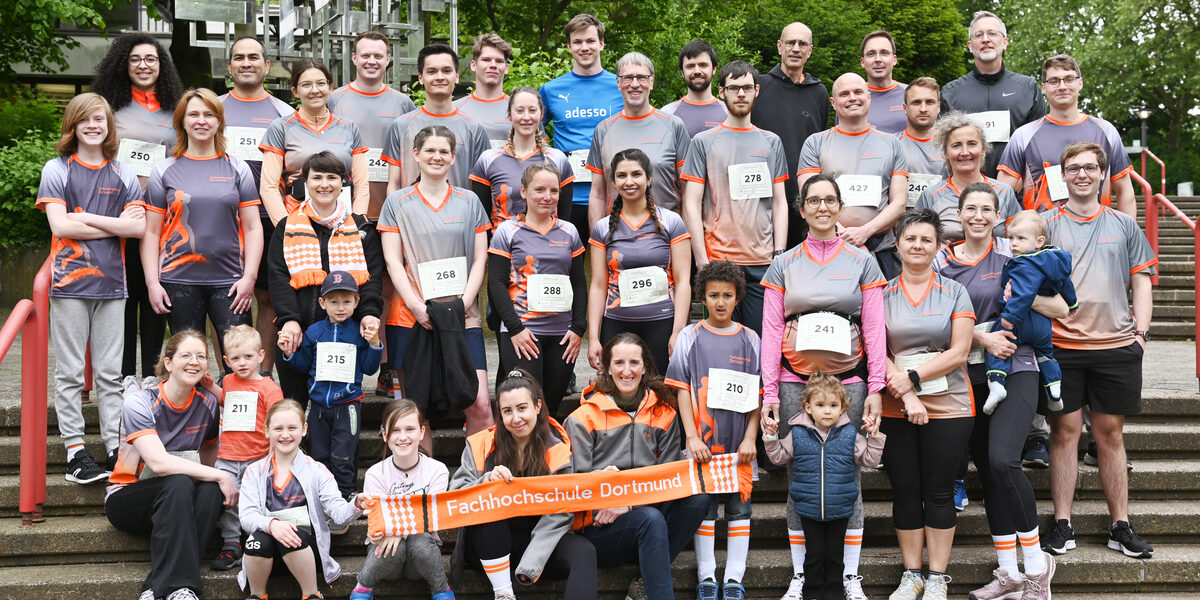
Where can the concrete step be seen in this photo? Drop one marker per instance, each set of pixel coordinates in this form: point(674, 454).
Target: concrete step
point(1174, 312)
point(1184, 297)
point(1181, 267)
point(1090, 569)
point(1173, 329)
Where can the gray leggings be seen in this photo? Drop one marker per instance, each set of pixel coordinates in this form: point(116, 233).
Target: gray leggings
point(417, 557)
point(791, 403)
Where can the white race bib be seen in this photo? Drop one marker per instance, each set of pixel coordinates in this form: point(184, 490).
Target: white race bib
point(861, 190)
point(241, 411)
point(296, 515)
point(549, 293)
point(336, 362)
point(976, 355)
point(643, 285)
point(497, 143)
point(749, 181)
point(936, 385)
point(242, 142)
point(732, 390)
point(377, 169)
point(445, 277)
point(1055, 186)
point(192, 455)
point(142, 156)
point(996, 125)
point(917, 182)
point(823, 331)
point(578, 160)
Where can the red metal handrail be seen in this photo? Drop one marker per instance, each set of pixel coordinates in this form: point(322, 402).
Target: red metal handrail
point(1162, 168)
point(32, 320)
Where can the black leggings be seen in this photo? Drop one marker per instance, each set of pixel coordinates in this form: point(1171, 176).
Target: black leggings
point(548, 368)
point(921, 462)
point(574, 558)
point(996, 445)
point(656, 334)
point(824, 558)
point(139, 313)
point(192, 305)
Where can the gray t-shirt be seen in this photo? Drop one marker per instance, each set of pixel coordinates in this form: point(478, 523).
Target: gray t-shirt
point(492, 114)
point(257, 114)
point(373, 113)
point(887, 108)
point(698, 117)
point(662, 137)
point(636, 245)
point(534, 252)
point(470, 143)
point(296, 140)
point(942, 198)
point(501, 171)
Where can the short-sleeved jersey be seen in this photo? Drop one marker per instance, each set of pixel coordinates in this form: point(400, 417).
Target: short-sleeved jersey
point(501, 170)
point(697, 116)
point(635, 245)
point(199, 198)
point(942, 198)
point(982, 280)
point(255, 113)
point(291, 495)
point(1018, 95)
point(921, 155)
point(91, 269)
point(1040, 144)
point(443, 228)
point(248, 445)
point(136, 122)
point(661, 136)
point(920, 321)
point(887, 108)
point(534, 252)
point(430, 476)
point(576, 104)
point(373, 113)
point(470, 143)
point(492, 114)
point(699, 348)
point(296, 140)
point(836, 286)
point(180, 428)
point(736, 230)
point(1107, 249)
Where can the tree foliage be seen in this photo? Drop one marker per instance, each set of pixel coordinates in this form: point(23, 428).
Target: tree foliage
point(29, 32)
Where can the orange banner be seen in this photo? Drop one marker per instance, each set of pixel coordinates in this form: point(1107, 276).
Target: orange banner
point(576, 492)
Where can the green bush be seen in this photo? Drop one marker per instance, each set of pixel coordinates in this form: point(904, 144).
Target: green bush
point(21, 165)
point(24, 111)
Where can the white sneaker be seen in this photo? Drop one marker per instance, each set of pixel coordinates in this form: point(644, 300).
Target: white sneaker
point(852, 585)
point(183, 594)
point(935, 587)
point(146, 594)
point(795, 588)
point(910, 588)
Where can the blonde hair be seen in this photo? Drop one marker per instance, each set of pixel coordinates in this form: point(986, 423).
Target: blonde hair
point(242, 335)
point(393, 412)
point(1033, 219)
point(79, 108)
point(282, 405)
point(828, 385)
point(210, 99)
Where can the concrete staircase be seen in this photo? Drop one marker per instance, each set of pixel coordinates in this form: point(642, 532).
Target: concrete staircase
point(1174, 297)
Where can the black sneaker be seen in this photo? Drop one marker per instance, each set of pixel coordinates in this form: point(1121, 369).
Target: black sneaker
point(229, 557)
point(83, 470)
point(112, 460)
point(1061, 538)
point(1123, 539)
point(1091, 458)
point(1036, 454)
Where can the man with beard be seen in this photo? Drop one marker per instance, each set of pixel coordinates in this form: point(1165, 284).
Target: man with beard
point(734, 202)
point(699, 109)
point(922, 156)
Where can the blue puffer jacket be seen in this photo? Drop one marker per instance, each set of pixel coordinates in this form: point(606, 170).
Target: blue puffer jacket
point(822, 485)
point(332, 393)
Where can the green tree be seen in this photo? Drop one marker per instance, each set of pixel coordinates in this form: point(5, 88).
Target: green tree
point(29, 32)
point(930, 37)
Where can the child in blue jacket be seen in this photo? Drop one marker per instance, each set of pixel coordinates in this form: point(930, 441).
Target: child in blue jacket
point(823, 448)
point(336, 355)
point(1034, 270)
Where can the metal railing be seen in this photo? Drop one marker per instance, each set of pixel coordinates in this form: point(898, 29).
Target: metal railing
point(31, 319)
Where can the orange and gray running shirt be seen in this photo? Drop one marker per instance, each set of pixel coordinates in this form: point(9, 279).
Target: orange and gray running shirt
point(136, 121)
point(942, 198)
point(181, 429)
point(373, 113)
point(492, 114)
point(1107, 249)
point(258, 114)
point(662, 137)
point(637, 245)
point(291, 495)
point(501, 171)
point(471, 142)
point(199, 198)
point(835, 285)
point(1037, 147)
point(697, 117)
point(920, 322)
point(921, 155)
point(431, 230)
point(88, 269)
point(887, 108)
point(872, 152)
point(534, 252)
point(739, 230)
point(296, 140)
point(699, 348)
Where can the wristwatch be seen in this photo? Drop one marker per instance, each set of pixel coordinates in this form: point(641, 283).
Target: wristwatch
point(915, 378)
point(1145, 335)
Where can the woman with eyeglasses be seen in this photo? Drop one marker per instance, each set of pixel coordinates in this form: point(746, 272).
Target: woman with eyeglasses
point(823, 313)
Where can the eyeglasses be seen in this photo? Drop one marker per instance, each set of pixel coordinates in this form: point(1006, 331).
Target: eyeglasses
point(817, 201)
point(1091, 169)
point(1070, 80)
point(187, 358)
point(308, 85)
point(991, 33)
point(982, 210)
point(638, 78)
point(149, 60)
point(739, 89)
point(801, 44)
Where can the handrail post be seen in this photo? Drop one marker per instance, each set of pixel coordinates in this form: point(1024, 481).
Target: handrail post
point(1196, 291)
point(35, 346)
point(1152, 230)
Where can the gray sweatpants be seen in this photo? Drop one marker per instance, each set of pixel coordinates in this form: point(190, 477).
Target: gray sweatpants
point(73, 323)
point(791, 402)
point(230, 524)
point(417, 557)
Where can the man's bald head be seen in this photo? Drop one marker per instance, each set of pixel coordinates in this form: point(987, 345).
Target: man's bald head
point(795, 46)
point(851, 99)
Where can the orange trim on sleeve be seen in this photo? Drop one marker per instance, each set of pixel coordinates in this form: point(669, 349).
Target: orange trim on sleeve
point(137, 434)
point(474, 177)
point(570, 179)
point(593, 242)
point(692, 178)
point(578, 252)
point(42, 202)
point(254, 202)
point(387, 228)
point(1008, 171)
point(963, 315)
point(679, 385)
point(813, 170)
point(681, 237)
point(781, 178)
point(874, 284)
point(898, 173)
point(499, 252)
point(266, 148)
point(360, 150)
point(389, 160)
point(1124, 173)
point(1144, 266)
point(773, 286)
point(483, 228)
point(594, 169)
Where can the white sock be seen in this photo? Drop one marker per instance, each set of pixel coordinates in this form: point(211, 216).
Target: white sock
point(706, 553)
point(1031, 552)
point(852, 551)
point(72, 451)
point(497, 573)
point(1006, 552)
point(796, 542)
point(996, 394)
point(738, 543)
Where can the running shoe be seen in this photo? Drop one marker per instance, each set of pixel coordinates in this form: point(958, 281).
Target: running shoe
point(1092, 459)
point(229, 557)
point(910, 588)
point(1123, 539)
point(733, 590)
point(1002, 587)
point(1036, 454)
point(383, 387)
point(146, 595)
point(1060, 539)
point(637, 590)
point(935, 588)
point(960, 496)
point(83, 469)
point(112, 460)
point(707, 590)
point(447, 594)
point(183, 594)
point(795, 589)
point(364, 594)
point(1038, 586)
point(852, 587)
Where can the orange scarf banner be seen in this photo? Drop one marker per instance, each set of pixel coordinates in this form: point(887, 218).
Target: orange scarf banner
point(533, 496)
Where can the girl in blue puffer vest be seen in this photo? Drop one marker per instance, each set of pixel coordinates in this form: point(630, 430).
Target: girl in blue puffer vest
point(823, 448)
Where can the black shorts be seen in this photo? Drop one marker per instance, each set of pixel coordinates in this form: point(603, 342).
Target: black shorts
point(264, 545)
point(1108, 381)
point(268, 230)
